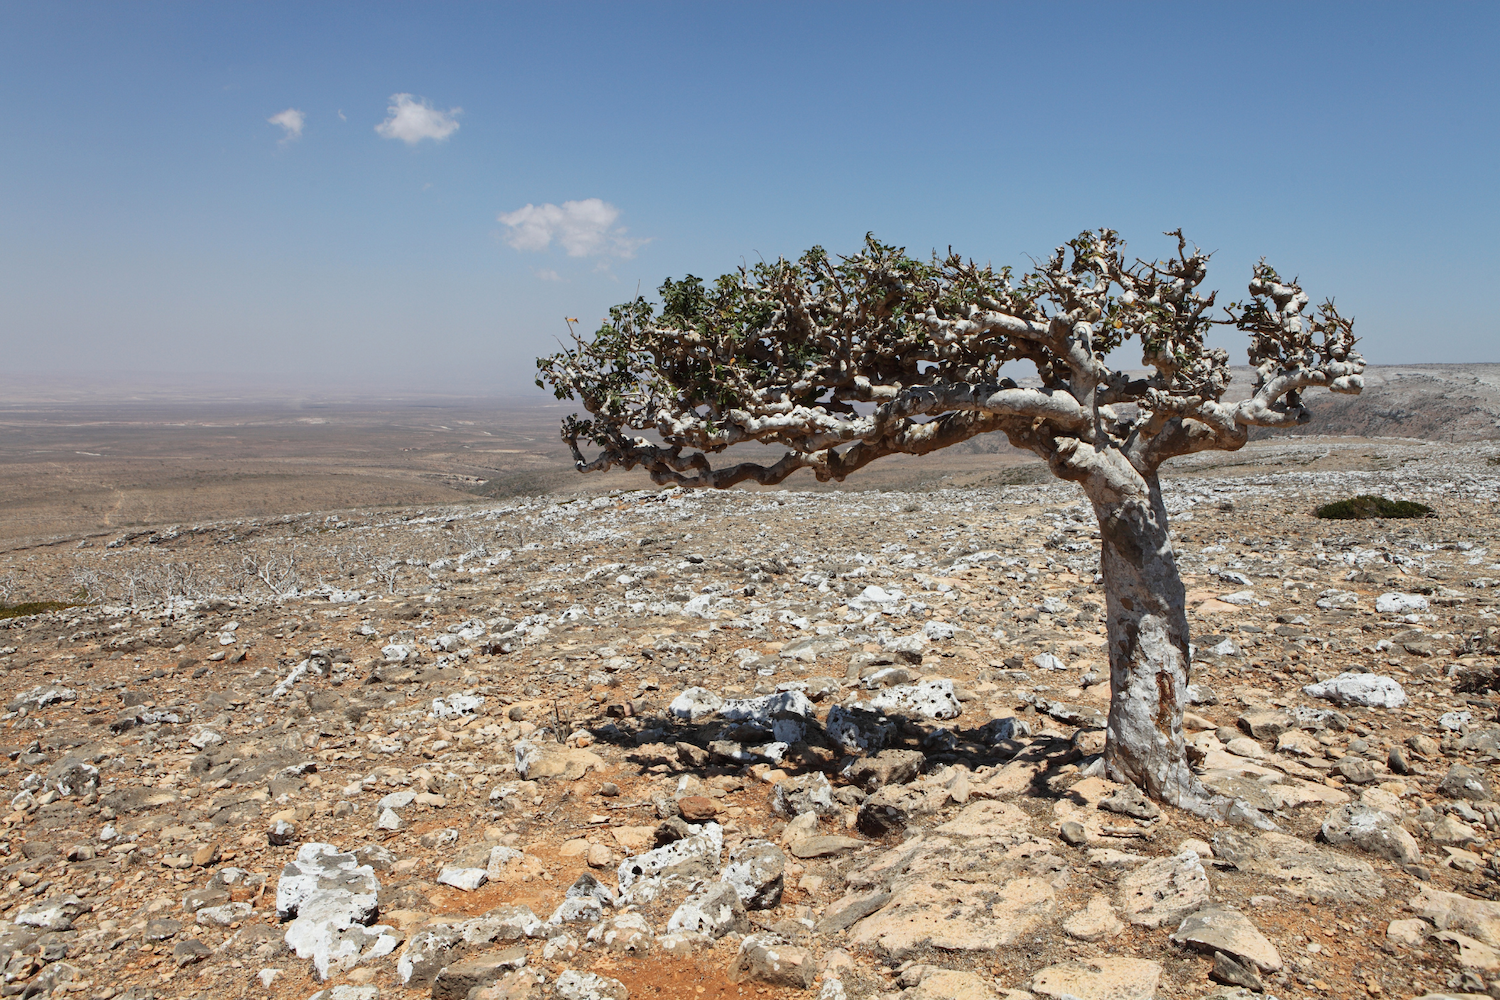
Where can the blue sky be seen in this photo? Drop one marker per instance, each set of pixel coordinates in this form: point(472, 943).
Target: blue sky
point(153, 220)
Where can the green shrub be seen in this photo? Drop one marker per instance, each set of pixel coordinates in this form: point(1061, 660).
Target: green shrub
point(33, 608)
point(1368, 505)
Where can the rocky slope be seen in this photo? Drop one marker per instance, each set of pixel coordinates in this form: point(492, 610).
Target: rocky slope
point(769, 744)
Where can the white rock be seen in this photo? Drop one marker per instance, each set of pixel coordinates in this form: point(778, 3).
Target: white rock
point(1400, 604)
point(574, 985)
point(467, 879)
point(1368, 690)
point(938, 631)
point(331, 896)
point(1240, 598)
point(706, 841)
point(499, 858)
point(932, 699)
point(695, 704)
point(51, 914)
point(784, 713)
point(388, 820)
point(396, 800)
point(1046, 661)
point(1329, 600)
point(911, 645)
point(345, 992)
point(457, 706)
point(1454, 721)
point(874, 598)
point(715, 911)
point(223, 916)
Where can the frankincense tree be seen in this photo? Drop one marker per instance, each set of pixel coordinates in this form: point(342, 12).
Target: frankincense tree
point(842, 360)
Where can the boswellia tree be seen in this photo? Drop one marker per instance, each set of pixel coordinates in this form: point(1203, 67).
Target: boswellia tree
point(842, 360)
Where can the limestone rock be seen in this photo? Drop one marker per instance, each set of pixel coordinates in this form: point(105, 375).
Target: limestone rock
point(1449, 831)
point(329, 898)
point(946, 984)
point(1400, 604)
point(574, 985)
point(466, 879)
point(454, 981)
point(536, 761)
point(1304, 870)
point(889, 767)
point(1477, 918)
point(626, 934)
point(934, 699)
point(768, 959)
point(1230, 931)
point(1164, 891)
point(55, 914)
point(1472, 954)
point(1372, 831)
point(1463, 782)
point(713, 912)
point(757, 872)
point(705, 843)
point(1368, 690)
point(784, 715)
point(956, 916)
point(803, 794)
point(1095, 922)
point(1115, 978)
point(858, 729)
point(1408, 933)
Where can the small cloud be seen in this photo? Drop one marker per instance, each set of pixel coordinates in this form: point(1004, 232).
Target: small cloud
point(547, 274)
point(411, 121)
point(291, 121)
point(342, 117)
point(582, 228)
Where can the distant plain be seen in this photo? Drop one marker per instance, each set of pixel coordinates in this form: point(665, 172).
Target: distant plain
point(94, 459)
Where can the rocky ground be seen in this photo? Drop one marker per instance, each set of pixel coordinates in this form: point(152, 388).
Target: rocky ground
point(773, 744)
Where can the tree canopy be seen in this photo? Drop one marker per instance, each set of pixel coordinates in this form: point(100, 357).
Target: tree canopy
point(843, 360)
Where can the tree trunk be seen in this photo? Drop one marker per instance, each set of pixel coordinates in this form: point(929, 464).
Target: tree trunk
point(1148, 645)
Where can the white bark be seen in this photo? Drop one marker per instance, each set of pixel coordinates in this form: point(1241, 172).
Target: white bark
point(1148, 644)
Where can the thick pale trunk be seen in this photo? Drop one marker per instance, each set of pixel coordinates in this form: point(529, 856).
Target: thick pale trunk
point(1148, 647)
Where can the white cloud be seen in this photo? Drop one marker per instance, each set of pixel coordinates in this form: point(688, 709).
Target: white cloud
point(547, 274)
point(411, 121)
point(291, 120)
point(582, 228)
